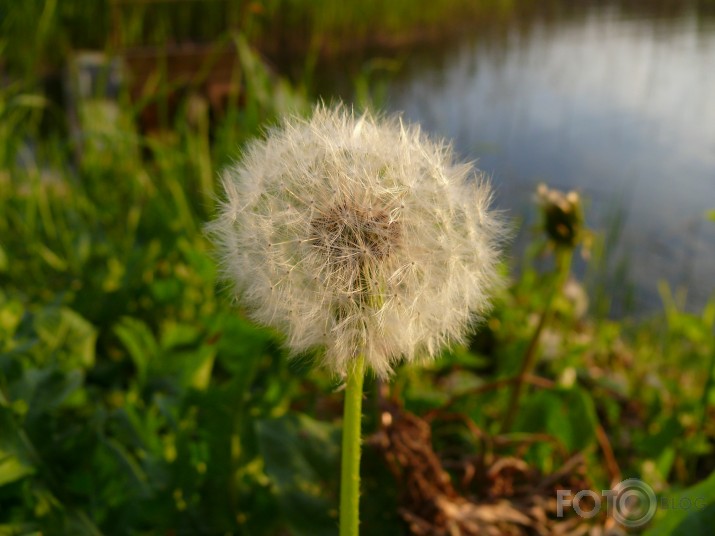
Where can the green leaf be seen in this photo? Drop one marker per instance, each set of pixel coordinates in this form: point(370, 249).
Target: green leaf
point(47, 389)
point(200, 374)
point(700, 522)
point(68, 335)
point(241, 344)
point(167, 290)
point(4, 263)
point(301, 459)
point(199, 260)
point(51, 258)
point(14, 454)
point(567, 414)
point(139, 341)
point(176, 335)
point(654, 443)
point(10, 316)
point(134, 471)
point(12, 468)
point(689, 512)
point(191, 368)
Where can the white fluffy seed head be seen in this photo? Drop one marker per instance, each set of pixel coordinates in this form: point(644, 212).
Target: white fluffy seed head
point(358, 235)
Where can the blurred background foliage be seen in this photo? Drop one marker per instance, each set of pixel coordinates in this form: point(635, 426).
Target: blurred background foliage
point(135, 398)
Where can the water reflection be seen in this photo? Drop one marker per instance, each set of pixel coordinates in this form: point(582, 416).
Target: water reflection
point(621, 109)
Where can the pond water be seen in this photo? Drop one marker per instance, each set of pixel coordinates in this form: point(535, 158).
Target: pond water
point(621, 109)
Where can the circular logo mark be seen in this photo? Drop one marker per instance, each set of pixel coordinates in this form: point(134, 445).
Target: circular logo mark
point(634, 503)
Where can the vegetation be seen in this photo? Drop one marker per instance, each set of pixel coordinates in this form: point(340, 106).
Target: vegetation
point(136, 399)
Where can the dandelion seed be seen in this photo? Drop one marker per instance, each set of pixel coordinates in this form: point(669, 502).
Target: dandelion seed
point(391, 244)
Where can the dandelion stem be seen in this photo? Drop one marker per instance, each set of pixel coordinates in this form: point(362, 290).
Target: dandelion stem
point(350, 475)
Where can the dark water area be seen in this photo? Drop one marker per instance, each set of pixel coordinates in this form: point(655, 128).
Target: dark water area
point(617, 106)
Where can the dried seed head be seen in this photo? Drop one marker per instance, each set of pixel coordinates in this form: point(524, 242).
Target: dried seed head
point(358, 235)
point(354, 241)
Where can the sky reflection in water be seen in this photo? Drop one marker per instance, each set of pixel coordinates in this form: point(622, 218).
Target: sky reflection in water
point(622, 110)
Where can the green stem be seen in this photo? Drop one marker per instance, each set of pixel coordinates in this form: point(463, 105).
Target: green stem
point(350, 474)
point(563, 268)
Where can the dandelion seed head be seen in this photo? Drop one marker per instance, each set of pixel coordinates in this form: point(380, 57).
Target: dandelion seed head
point(358, 235)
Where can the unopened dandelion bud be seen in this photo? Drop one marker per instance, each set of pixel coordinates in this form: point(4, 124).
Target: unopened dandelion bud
point(562, 215)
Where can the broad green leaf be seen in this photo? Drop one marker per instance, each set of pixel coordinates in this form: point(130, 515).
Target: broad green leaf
point(699, 522)
point(690, 512)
